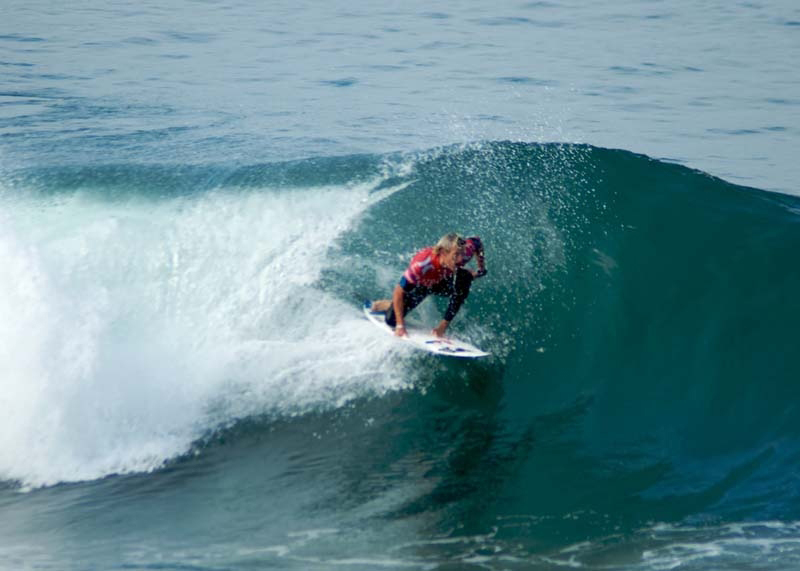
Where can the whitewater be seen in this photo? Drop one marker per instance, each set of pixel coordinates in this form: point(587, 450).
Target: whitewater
point(118, 358)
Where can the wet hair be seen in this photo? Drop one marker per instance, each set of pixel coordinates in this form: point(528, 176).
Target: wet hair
point(447, 242)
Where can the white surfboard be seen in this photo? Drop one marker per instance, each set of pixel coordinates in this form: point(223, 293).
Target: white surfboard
point(423, 338)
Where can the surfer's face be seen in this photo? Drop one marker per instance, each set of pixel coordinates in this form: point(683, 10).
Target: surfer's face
point(452, 258)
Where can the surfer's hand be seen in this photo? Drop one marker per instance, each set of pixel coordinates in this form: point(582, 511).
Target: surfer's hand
point(400, 331)
point(439, 330)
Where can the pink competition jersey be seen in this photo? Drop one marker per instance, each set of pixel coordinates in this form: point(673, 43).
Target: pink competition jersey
point(425, 269)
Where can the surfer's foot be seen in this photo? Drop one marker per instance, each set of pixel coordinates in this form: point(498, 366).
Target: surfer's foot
point(380, 306)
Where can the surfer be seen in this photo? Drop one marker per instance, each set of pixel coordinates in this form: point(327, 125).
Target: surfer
point(437, 270)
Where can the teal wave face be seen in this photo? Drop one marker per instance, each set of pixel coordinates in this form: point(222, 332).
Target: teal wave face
point(650, 308)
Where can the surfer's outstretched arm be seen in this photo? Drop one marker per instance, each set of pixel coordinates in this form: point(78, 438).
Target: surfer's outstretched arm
point(398, 303)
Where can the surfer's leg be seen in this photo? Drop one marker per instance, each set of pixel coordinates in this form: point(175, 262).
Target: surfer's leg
point(411, 299)
point(380, 305)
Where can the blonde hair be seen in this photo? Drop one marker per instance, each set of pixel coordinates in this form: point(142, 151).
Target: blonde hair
point(448, 242)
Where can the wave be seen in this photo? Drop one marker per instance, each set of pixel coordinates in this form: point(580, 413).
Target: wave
point(641, 315)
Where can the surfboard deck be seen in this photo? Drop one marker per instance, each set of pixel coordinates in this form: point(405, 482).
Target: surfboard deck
point(423, 338)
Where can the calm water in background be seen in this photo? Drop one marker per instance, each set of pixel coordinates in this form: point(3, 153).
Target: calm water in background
point(184, 186)
point(712, 85)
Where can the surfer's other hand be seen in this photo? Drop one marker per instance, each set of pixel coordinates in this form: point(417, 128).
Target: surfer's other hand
point(439, 330)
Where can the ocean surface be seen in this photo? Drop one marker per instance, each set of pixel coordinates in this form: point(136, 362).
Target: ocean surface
point(196, 196)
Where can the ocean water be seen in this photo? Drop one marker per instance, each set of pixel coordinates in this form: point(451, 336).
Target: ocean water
point(196, 196)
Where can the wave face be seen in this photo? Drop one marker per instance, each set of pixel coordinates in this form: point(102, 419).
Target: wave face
point(647, 309)
point(642, 318)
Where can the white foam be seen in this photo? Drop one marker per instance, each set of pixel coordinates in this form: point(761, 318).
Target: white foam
point(130, 328)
